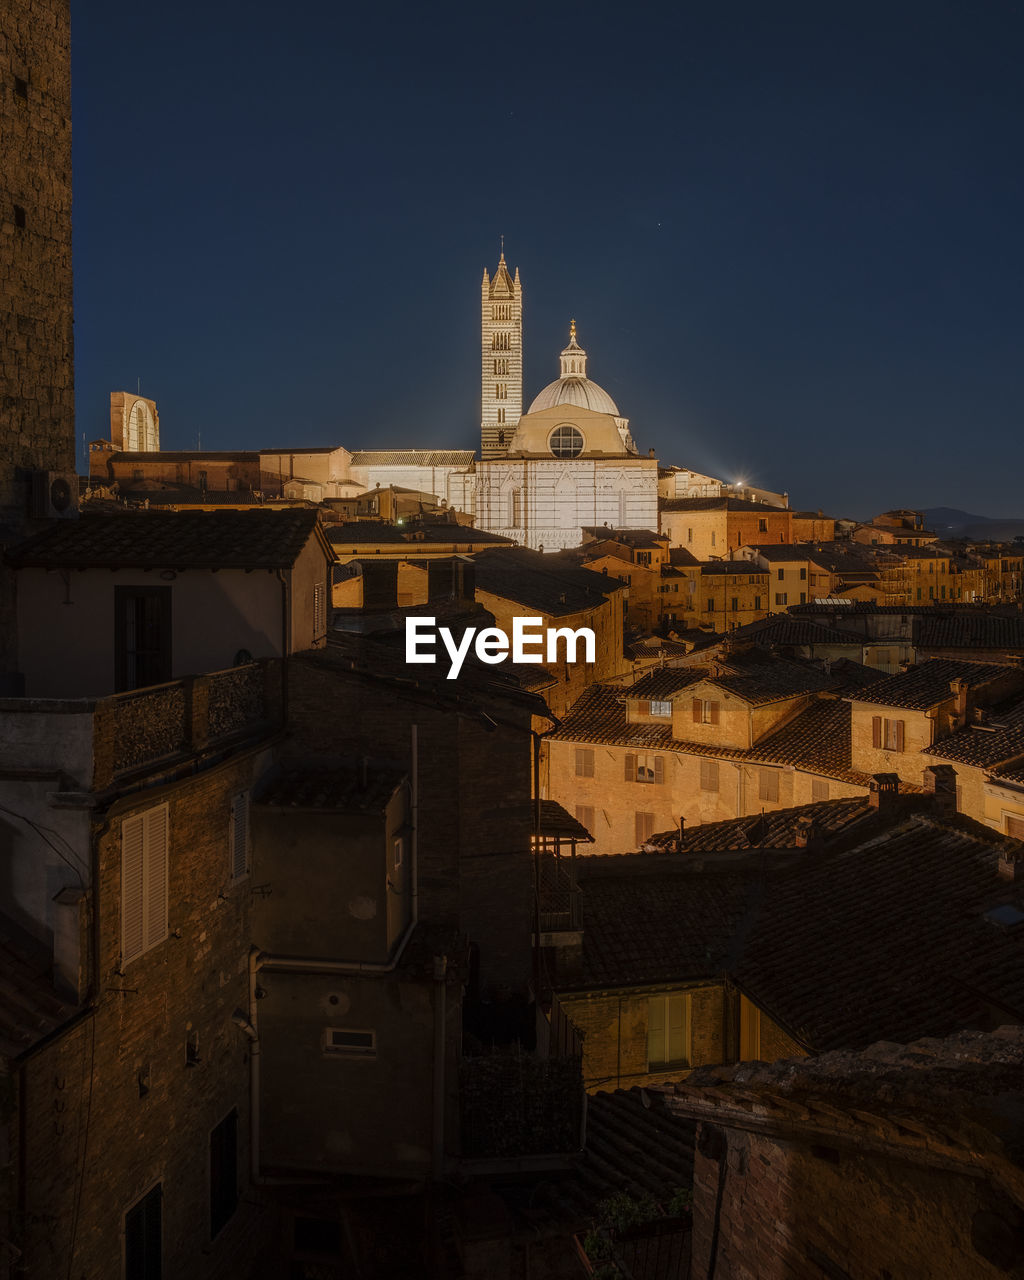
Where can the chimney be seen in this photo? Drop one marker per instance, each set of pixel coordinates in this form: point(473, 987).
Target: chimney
point(883, 790)
point(679, 834)
point(958, 688)
point(1011, 862)
point(806, 836)
point(940, 783)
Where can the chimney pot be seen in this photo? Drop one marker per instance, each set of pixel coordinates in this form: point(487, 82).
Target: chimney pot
point(1011, 863)
point(806, 835)
point(883, 790)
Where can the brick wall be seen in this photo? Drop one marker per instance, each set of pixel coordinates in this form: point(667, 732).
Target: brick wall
point(96, 1139)
point(790, 1211)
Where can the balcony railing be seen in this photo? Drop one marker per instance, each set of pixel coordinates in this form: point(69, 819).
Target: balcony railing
point(137, 730)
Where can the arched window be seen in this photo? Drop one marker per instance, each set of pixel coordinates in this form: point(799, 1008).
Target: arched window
point(566, 442)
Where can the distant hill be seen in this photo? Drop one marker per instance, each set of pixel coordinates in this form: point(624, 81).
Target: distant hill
point(950, 522)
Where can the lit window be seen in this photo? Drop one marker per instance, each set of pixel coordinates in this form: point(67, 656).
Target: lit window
point(887, 735)
point(566, 442)
point(705, 711)
point(661, 708)
point(645, 768)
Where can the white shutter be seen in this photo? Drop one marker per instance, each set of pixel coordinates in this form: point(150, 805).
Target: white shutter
point(156, 876)
point(239, 835)
point(132, 861)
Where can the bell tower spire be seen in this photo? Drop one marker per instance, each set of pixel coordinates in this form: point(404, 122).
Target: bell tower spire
point(501, 358)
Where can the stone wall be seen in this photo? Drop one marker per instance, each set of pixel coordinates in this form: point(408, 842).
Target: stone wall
point(112, 1107)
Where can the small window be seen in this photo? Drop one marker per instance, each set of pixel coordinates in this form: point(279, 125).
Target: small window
point(143, 1245)
point(762, 526)
point(645, 768)
point(757, 602)
point(735, 604)
point(781, 597)
point(819, 790)
point(709, 775)
point(585, 816)
point(584, 762)
point(19, 217)
point(397, 851)
point(711, 606)
point(803, 575)
point(142, 636)
point(20, 87)
point(782, 575)
point(661, 709)
point(223, 1173)
point(238, 835)
point(689, 535)
point(341, 1042)
point(706, 711)
point(501, 415)
point(644, 827)
point(668, 1032)
point(887, 735)
point(768, 785)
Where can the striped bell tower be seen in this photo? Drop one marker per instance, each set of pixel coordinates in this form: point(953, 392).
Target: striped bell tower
point(501, 356)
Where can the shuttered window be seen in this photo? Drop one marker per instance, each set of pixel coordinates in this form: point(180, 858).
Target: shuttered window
point(887, 735)
point(319, 610)
point(819, 790)
point(238, 835)
point(644, 827)
point(768, 785)
point(144, 865)
point(143, 1248)
point(584, 762)
point(709, 775)
point(668, 1032)
point(585, 816)
point(705, 711)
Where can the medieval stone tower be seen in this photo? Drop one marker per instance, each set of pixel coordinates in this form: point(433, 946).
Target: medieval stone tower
point(501, 342)
point(37, 429)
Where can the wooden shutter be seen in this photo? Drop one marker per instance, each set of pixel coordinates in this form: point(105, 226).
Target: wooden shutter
point(630, 767)
point(876, 731)
point(132, 859)
point(659, 770)
point(678, 1030)
point(1014, 827)
point(698, 711)
point(144, 868)
point(656, 1055)
point(156, 876)
point(239, 835)
point(714, 712)
point(899, 735)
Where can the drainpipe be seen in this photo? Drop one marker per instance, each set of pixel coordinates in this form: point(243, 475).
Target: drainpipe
point(299, 964)
point(440, 1014)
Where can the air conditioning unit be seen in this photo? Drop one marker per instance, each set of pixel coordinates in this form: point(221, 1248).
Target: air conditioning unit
point(54, 495)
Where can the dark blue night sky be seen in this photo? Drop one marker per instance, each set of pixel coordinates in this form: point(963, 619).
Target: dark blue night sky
point(791, 234)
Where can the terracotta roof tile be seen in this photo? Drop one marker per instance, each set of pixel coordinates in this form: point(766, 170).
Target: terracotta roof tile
point(999, 738)
point(178, 540)
point(928, 684)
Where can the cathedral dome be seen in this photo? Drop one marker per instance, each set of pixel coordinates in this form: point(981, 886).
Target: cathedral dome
point(574, 387)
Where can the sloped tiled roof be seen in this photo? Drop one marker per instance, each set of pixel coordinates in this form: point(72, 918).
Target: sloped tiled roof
point(255, 539)
point(999, 738)
point(781, 629)
point(663, 683)
point(892, 939)
point(758, 681)
point(971, 631)
point(772, 830)
point(816, 741)
point(524, 577)
point(412, 458)
point(928, 684)
point(720, 504)
point(360, 532)
point(888, 941)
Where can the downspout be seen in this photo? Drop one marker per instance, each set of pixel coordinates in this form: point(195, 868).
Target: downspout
point(298, 964)
point(440, 1016)
point(285, 643)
